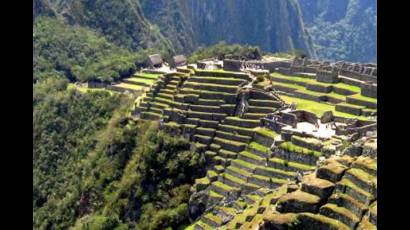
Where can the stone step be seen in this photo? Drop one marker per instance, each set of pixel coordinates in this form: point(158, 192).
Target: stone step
point(288, 165)
point(288, 151)
point(365, 224)
point(367, 164)
point(252, 198)
point(219, 168)
point(298, 201)
point(346, 201)
point(212, 175)
point(351, 189)
point(211, 220)
point(261, 181)
point(259, 150)
point(165, 96)
point(206, 140)
point(317, 221)
point(208, 124)
point(246, 123)
point(223, 189)
point(227, 154)
point(210, 102)
point(202, 226)
point(264, 103)
point(244, 165)
point(316, 186)
point(373, 213)
point(238, 172)
point(332, 171)
point(231, 136)
point(257, 109)
point(273, 172)
point(254, 116)
point(205, 131)
point(230, 145)
point(236, 130)
point(363, 180)
point(251, 158)
point(217, 80)
point(205, 108)
point(231, 180)
point(339, 213)
point(212, 87)
point(150, 116)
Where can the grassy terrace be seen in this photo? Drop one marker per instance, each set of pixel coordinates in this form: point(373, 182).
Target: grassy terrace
point(317, 107)
point(305, 80)
point(141, 80)
point(289, 146)
point(83, 89)
point(129, 86)
point(147, 75)
point(266, 132)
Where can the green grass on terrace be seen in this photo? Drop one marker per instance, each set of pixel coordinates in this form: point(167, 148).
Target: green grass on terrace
point(259, 147)
point(313, 81)
point(141, 80)
point(266, 132)
point(289, 146)
point(83, 89)
point(364, 98)
point(318, 108)
point(148, 75)
point(129, 86)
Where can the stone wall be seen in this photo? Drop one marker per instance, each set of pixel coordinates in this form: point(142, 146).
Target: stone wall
point(327, 76)
point(231, 65)
point(369, 90)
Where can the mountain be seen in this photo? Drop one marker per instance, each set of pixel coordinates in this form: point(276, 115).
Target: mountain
point(275, 26)
point(343, 29)
point(121, 21)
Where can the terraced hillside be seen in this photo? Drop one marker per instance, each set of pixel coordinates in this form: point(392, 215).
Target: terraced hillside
point(340, 194)
point(137, 83)
point(344, 98)
point(251, 169)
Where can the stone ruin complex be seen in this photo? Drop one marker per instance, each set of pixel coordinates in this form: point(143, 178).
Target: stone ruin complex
point(270, 165)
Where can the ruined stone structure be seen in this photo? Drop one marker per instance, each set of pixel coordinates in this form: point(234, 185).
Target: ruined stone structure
point(269, 165)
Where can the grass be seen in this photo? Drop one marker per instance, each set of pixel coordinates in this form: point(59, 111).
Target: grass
point(84, 89)
point(129, 86)
point(342, 211)
point(259, 147)
point(300, 196)
point(141, 80)
point(251, 155)
point(266, 132)
point(147, 75)
point(364, 98)
point(245, 164)
point(223, 186)
point(335, 223)
point(318, 108)
point(364, 176)
point(240, 171)
point(289, 146)
point(292, 164)
point(305, 80)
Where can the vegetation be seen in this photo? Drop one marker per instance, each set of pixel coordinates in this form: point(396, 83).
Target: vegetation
point(221, 50)
point(94, 168)
point(77, 53)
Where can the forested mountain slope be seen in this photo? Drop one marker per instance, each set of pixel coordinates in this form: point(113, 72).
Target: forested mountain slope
point(272, 25)
point(342, 29)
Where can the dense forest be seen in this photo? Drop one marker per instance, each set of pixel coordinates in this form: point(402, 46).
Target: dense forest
point(94, 168)
point(342, 29)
